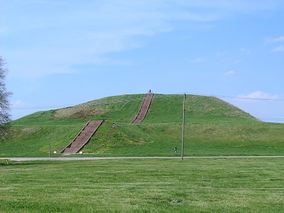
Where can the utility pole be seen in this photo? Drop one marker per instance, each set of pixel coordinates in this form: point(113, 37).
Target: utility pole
point(183, 127)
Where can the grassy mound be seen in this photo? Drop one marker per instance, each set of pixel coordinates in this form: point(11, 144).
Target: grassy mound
point(213, 127)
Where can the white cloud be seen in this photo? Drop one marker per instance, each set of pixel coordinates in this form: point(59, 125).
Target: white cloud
point(276, 39)
point(18, 104)
point(20, 108)
point(198, 60)
point(88, 31)
point(233, 5)
point(245, 51)
point(278, 49)
point(230, 73)
point(259, 95)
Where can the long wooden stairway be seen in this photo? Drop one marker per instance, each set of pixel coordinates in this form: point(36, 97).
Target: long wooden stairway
point(144, 108)
point(83, 137)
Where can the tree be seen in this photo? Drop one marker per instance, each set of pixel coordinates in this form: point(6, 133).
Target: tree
point(4, 103)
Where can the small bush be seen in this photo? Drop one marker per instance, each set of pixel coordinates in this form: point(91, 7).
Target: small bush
point(5, 162)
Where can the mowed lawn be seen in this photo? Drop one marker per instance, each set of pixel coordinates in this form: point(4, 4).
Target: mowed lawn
point(192, 185)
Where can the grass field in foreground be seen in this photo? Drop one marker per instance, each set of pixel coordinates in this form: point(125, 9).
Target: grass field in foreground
point(192, 185)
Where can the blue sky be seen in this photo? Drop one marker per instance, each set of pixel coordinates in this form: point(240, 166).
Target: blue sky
point(65, 52)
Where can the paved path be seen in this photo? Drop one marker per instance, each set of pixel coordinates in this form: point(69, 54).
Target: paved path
point(131, 158)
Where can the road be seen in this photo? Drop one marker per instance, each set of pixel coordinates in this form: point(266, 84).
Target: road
point(130, 158)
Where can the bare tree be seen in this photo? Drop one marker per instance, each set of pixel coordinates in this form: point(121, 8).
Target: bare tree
point(4, 103)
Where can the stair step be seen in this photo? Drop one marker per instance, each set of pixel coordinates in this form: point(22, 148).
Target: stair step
point(83, 137)
point(144, 108)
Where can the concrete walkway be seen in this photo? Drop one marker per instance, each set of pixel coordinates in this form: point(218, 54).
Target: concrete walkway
point(130, 158)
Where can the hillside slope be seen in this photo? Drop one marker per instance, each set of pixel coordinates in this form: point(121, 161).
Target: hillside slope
point(213, 127)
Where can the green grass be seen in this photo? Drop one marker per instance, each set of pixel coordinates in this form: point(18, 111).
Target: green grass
point(213, 127)
point(192, 185)
point(35, 140)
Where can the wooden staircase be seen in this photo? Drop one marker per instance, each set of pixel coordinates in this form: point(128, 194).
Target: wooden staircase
point(144, 108)
point(83, 137)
